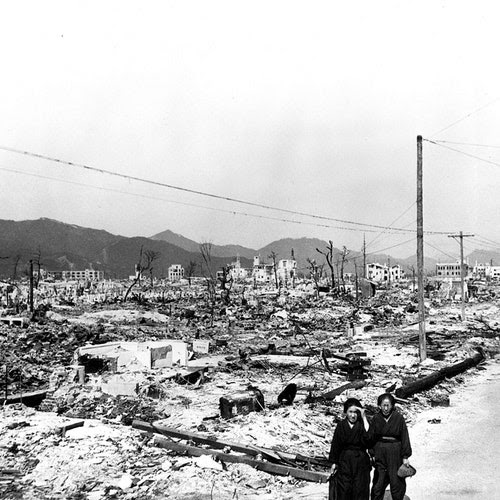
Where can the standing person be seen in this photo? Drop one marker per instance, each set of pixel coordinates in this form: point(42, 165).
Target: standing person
point(349, 455)
point(391, 449)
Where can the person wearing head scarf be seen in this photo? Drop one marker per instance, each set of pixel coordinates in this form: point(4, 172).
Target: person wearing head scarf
point(391, 449)
point(349, 457)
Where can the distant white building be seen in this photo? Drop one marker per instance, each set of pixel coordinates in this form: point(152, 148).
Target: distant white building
point(450, 269)
point(287, 270)
point(382, 273)
point(262, 272)
point(237, 272)
point(175, 272)
point(86, 274)
point(486, 271)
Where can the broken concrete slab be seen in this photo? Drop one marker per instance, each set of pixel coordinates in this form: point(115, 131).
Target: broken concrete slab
point(120, 355)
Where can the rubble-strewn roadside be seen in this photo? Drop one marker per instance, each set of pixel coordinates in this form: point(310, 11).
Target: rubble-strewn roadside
point(262, 346)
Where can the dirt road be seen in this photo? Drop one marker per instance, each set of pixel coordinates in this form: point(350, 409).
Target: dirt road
point(460, 457)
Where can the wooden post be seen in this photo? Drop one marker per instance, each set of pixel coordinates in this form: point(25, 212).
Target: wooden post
point(31, 286)
point(420, 251)
point(462, 294)
point(364, 256)
point(461, 237)
point(356, 282)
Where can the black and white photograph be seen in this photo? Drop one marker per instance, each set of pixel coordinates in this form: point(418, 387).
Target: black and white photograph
point(249, 250)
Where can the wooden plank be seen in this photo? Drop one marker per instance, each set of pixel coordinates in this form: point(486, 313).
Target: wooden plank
point(28, 398)
point(356, 384)
point(191, 436)
point(281, 470)
point(62, 430)
point(214, 442)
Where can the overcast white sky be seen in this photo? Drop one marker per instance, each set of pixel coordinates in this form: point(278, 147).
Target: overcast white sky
point(308, 106)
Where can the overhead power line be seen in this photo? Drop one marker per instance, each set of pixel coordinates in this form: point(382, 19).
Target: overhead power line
point(468, 144)
point(489, 246)
point(439, 250)
point(466, 116)
point(393, 222)
point(464, 153)
point(393, 246)
point(202, 193)
point(487, 239)
point(232, 212)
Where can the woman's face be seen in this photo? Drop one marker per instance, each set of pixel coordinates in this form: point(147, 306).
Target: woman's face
point(352, 414)
point(385, 407)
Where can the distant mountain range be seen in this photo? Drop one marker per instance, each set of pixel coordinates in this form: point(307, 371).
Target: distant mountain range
point(65, 246)
point(61, 246)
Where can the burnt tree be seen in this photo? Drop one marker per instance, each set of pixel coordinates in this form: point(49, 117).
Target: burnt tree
point(328, 254)
point(191, 268)
point(144, 264)
point(226, 282)
point(273, 256)
point(316, 272)
point(210, 276)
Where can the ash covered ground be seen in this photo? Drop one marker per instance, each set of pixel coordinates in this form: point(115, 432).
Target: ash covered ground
point(257, 346)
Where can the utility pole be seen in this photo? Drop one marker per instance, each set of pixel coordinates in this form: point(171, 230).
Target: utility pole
point(461, 236)
point(356, 282)
point(420, 252)
point(364, 256)
point(389, 271)
point(31, 286)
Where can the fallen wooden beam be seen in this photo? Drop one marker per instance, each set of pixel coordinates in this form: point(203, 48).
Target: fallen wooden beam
point(61, 431)
point(434, 378)
point(217, 443)
point(27, 398)
point(282, 470)
point(10, 472)
point(355, 384)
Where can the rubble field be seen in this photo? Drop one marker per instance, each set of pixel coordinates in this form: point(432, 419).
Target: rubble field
point(103, 371)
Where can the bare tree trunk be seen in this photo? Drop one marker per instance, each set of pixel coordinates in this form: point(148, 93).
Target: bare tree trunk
point(16, 263)
point(38, 264)
point(210, 277)
point(272, 256)
point(146, 260)
point(329, 260)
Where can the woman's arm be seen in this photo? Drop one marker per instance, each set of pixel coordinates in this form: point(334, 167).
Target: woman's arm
point(366, 425)
point(405, 441)
point(336, 446)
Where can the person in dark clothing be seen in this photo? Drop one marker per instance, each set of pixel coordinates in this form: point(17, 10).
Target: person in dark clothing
point(349, 457)
point(391, 449)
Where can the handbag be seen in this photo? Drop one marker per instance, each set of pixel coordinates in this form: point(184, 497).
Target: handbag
point(406, 470)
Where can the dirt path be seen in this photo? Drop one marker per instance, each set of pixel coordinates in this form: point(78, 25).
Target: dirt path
point(460, 457)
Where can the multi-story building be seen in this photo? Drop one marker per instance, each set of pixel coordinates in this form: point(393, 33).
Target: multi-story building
point(262, 272)
point(450, 270)
point(87, 275)
point(486, 271)
point(287, 270)
point(236, 271)
point(382, 273)
point(175, 272)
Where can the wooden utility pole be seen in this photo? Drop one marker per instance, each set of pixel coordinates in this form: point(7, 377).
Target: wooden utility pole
point(461, 237)
point(364, 256)
point(420, 252)
point(31, 286)
point(389, 271)
point(356, 282)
